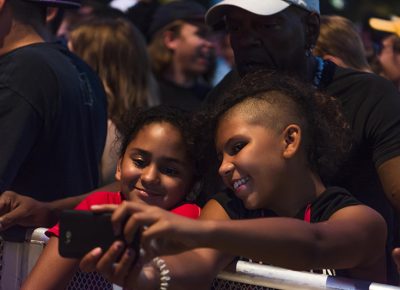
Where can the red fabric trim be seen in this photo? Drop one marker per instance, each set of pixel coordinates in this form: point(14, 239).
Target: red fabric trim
point(307, 214)
point(188, 209)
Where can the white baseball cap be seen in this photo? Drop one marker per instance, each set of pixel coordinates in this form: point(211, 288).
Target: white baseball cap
point(260, 7)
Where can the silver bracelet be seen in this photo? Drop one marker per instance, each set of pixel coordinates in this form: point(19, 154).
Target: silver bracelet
point(164, 273)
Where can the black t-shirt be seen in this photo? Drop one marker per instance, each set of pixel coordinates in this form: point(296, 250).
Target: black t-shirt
point(321, 209)
point(372, 107)
point(330, 201)
point(53, 122)
point(186, 98)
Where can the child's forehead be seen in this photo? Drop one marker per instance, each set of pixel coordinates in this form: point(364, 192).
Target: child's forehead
point(160, 124)
point(159, 136)
point(248, 111)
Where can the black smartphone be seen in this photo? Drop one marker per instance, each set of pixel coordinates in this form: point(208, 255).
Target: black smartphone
point(82, 231)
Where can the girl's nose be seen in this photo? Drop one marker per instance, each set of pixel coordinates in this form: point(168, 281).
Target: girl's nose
point(226, 168)
point(150, 174)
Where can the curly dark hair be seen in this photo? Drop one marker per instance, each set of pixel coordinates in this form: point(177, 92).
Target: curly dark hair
point(326, 133)
point(136, 118)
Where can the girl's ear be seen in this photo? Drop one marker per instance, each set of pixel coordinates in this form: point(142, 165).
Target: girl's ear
point(292, 139)
point(118, 171)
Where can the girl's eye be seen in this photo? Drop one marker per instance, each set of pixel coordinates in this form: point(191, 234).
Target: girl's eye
point(171, 171)
point(139, 163)
point(237, 147)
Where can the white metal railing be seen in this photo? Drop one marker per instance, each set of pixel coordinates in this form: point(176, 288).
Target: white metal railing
point(279, 278)
point(19, 256)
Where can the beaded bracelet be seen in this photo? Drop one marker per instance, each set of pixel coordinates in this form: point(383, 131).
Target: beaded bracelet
point(164, 273)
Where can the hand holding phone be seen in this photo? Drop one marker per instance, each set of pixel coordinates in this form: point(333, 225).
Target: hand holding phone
point(82, 231)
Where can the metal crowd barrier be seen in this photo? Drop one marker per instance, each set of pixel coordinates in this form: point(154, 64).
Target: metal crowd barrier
point(20, 248)
point(279, 278)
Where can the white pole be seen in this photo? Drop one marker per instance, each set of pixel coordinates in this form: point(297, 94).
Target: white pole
point(279, 278)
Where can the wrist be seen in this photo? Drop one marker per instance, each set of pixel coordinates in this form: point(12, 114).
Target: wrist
point(207, 229)
point(148, 279)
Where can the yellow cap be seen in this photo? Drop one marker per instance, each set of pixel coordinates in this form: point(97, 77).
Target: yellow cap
point(392, 26)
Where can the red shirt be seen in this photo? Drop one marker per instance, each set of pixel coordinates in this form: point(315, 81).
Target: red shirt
point(189, 210)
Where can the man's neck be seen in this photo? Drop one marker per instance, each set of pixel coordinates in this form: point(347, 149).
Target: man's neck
point(179, 77)
point(19, 35)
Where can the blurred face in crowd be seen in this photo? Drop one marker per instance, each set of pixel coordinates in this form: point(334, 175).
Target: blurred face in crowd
point(389, 58)
point(193, 50)
point(155, 167)
point(276, 42)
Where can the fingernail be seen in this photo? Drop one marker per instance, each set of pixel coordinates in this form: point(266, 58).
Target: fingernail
point(96, 252)
point(117, 245)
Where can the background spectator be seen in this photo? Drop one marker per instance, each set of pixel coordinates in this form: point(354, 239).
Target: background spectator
point(89, 9)
point(389, 53)
point(53, 113)
point(116, 50)
point(181, 53)
point(340, 42)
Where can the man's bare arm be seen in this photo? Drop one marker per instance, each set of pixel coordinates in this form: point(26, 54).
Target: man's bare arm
point(389, 175)
point(17, 209)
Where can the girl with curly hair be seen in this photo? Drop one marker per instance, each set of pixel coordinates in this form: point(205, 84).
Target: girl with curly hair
point(156, 166)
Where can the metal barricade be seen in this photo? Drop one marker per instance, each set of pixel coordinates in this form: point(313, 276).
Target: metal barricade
point(270, 277)
point(20, 250)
